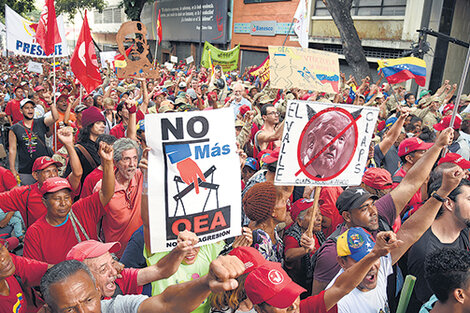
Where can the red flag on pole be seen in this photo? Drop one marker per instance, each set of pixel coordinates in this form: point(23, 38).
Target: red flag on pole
point(83, 61)
point(159, 28)
point(47, 33)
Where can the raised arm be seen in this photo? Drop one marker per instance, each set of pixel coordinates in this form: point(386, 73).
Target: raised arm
point(51, 119)
point(394, 132)
point(132, 124)
point(418, 173)
point(169, 264)
point(186, 297)
point(107, 187)
point(422, 219)
point(268, 137)
point(352, 277)
point(65, 135)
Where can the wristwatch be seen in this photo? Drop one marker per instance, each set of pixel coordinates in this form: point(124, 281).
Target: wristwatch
point(437, 197)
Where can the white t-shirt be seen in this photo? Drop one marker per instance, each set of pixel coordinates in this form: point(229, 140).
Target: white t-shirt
point(373, 301)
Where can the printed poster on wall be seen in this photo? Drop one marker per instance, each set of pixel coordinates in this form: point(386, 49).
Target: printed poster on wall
point(194, 177)
point(324, 144)
point(307, 69)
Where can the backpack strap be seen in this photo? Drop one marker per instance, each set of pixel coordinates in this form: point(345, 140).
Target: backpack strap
point(397, 179)
point(87, 155)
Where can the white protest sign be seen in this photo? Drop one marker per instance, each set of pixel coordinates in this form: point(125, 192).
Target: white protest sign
point(173, 59)
point(107, 56)
point(35, 67)
point(186, 147)
point(189, 59)
point(169, 65)
point(324, 144)
point(21, 36)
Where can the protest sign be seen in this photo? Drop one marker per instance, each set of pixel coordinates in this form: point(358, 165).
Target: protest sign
point(21, 36)
point(107, 56)
point(228, 60)
point(35, 67)
point(306, 69)
point(189, 59)
point(169, 65)
point(324, 144)
point(262, 72)
point(173, 59)
point(191, 147)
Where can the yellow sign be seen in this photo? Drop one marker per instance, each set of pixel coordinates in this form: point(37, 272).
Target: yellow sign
point(306, 69)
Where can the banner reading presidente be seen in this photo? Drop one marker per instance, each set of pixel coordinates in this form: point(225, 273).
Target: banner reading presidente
point(228, 60)
point(306, 69)
point(325, 144)
point(21, 36)
point(194, 177)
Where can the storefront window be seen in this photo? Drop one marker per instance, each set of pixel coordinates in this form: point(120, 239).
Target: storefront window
point(368, 8)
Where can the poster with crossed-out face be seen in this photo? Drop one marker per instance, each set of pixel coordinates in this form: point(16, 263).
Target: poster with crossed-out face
point(324, 144)
point(193, 178)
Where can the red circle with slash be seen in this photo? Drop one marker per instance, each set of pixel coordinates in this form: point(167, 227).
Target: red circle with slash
point(352, 123)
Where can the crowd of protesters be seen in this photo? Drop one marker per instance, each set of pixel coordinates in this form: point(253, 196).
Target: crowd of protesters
point(74, 215)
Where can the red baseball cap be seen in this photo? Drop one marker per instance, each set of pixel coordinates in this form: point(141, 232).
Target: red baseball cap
point(54, 184)
point(270, 283)
point(412, 144)
point(91, 249)
point(445, 122)
point(43, 162)
point(38, 88)
point(299, 206)
point(447, 108)
point(251, 257)
point(377, 178)
point(456, 159)
point(272, 157)
point(243, 109)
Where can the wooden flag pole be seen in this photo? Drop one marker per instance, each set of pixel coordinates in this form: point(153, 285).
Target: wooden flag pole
point(316, 198)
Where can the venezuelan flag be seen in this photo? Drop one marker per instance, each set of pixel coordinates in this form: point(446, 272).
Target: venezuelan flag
point(402, 69)
point(56, 65)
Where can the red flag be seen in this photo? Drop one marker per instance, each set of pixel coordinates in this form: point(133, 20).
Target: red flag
point(47, 33)
point(83, 61)
point(120, 57)
point(159, 28)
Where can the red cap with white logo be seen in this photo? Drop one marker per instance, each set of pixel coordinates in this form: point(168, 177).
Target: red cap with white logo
point(270, 283)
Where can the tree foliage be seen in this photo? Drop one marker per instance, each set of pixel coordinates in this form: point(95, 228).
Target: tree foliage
point(71, 7)
point(20, 6)
point(340, 11)
point(133, 8)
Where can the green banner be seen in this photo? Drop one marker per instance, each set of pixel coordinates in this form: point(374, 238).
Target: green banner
point(228, 60)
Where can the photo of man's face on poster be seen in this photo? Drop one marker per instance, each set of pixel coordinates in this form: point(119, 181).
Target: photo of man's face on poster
point(321, 133)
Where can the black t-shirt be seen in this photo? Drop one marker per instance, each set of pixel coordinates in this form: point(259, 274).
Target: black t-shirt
point(427, 244)
point(87, 167)
point(30, 144)
point(390, 161)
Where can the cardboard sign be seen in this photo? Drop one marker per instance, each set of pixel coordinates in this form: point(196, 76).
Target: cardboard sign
point(324, 144)
point(35, 67)
point(306, 69)
point(173, 59)
point(107, 56)
point(189, 59)
point(191, 147)
point(137, 63)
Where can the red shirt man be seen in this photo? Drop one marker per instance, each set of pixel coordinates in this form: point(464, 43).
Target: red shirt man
point(12, 109)
point(7, 180)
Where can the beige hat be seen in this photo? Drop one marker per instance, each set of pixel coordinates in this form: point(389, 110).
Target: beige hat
point(265, 99)
point(168, 83)
point(165, 108)
point(181, 100)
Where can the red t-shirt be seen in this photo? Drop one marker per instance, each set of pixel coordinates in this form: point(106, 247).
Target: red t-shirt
point(118, 131)
point(27, 202)
point(13, 110)
point(7, 180)
point(316, 304)
point(290, 242)
point(44, 242)
point(30, 272)
point(128, 282)
point(90, 182)
point(122, 216)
